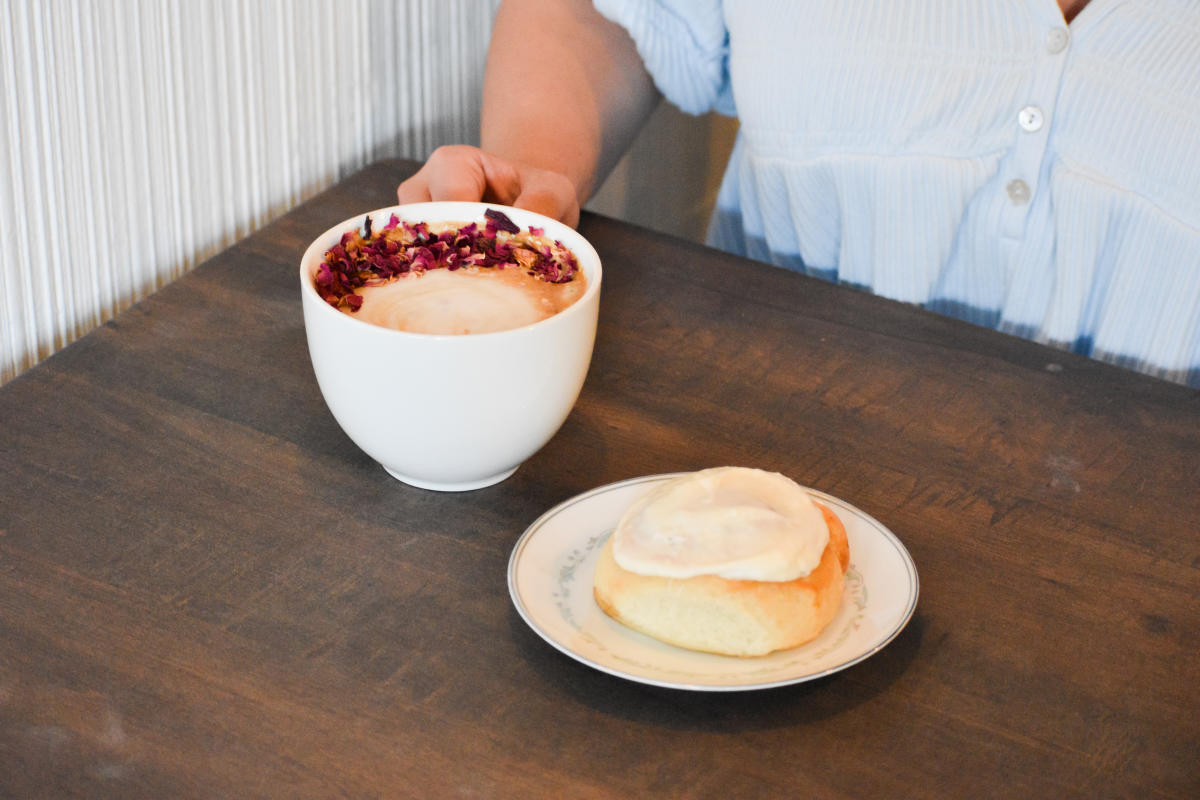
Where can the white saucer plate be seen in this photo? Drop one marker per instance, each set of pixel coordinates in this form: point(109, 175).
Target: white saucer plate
point(550, 577)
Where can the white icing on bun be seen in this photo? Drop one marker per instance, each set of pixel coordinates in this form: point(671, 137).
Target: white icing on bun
point(732, 522)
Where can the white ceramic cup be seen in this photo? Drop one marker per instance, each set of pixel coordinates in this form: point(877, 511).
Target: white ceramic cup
point(451, 412)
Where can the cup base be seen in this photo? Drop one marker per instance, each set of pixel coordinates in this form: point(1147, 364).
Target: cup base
point(465, 486)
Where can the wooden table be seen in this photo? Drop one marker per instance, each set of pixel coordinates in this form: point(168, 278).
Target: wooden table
point(207, 591)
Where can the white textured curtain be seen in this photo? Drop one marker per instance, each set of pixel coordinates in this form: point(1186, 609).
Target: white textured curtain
point(140, 137)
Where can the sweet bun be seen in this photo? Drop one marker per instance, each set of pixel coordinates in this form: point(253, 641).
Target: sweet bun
point(729, 616)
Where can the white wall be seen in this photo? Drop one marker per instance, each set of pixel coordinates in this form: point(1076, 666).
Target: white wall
point(140, 137)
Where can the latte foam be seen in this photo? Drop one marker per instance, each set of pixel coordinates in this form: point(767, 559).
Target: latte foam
point(465, 301)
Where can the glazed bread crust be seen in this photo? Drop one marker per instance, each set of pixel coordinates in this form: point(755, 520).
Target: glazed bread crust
point(724, 616)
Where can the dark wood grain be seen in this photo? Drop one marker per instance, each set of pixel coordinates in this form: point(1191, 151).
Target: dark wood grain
point(207, 591)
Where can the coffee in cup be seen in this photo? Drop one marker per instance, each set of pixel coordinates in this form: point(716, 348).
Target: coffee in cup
point(450, 277)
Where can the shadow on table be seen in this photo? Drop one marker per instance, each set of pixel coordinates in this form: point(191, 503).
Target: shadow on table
point(780, 707)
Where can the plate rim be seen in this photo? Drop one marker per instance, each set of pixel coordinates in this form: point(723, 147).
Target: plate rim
point(531, 530)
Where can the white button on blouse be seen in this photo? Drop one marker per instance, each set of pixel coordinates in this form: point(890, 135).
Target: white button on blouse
point(1057, 41)
point(1030, 118)
point(1018, 192)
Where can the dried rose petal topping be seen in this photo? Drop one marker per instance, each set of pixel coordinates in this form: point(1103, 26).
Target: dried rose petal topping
point(370, 258)
point(500, 221)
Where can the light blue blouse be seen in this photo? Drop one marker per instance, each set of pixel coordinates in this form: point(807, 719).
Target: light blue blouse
point(982, 159)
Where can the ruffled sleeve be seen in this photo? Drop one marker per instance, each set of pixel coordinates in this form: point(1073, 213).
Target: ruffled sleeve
point(685, 46)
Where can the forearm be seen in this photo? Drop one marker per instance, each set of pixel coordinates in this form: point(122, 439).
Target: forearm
point(565, 90)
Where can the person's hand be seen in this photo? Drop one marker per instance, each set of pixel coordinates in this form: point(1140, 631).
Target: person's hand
point(461, 172)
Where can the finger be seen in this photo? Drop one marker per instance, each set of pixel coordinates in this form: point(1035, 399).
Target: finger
point(463, 181)
point(550, 197)
point(502, 180)
point(549, 206)
point(454, 172)
point(413, 190)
